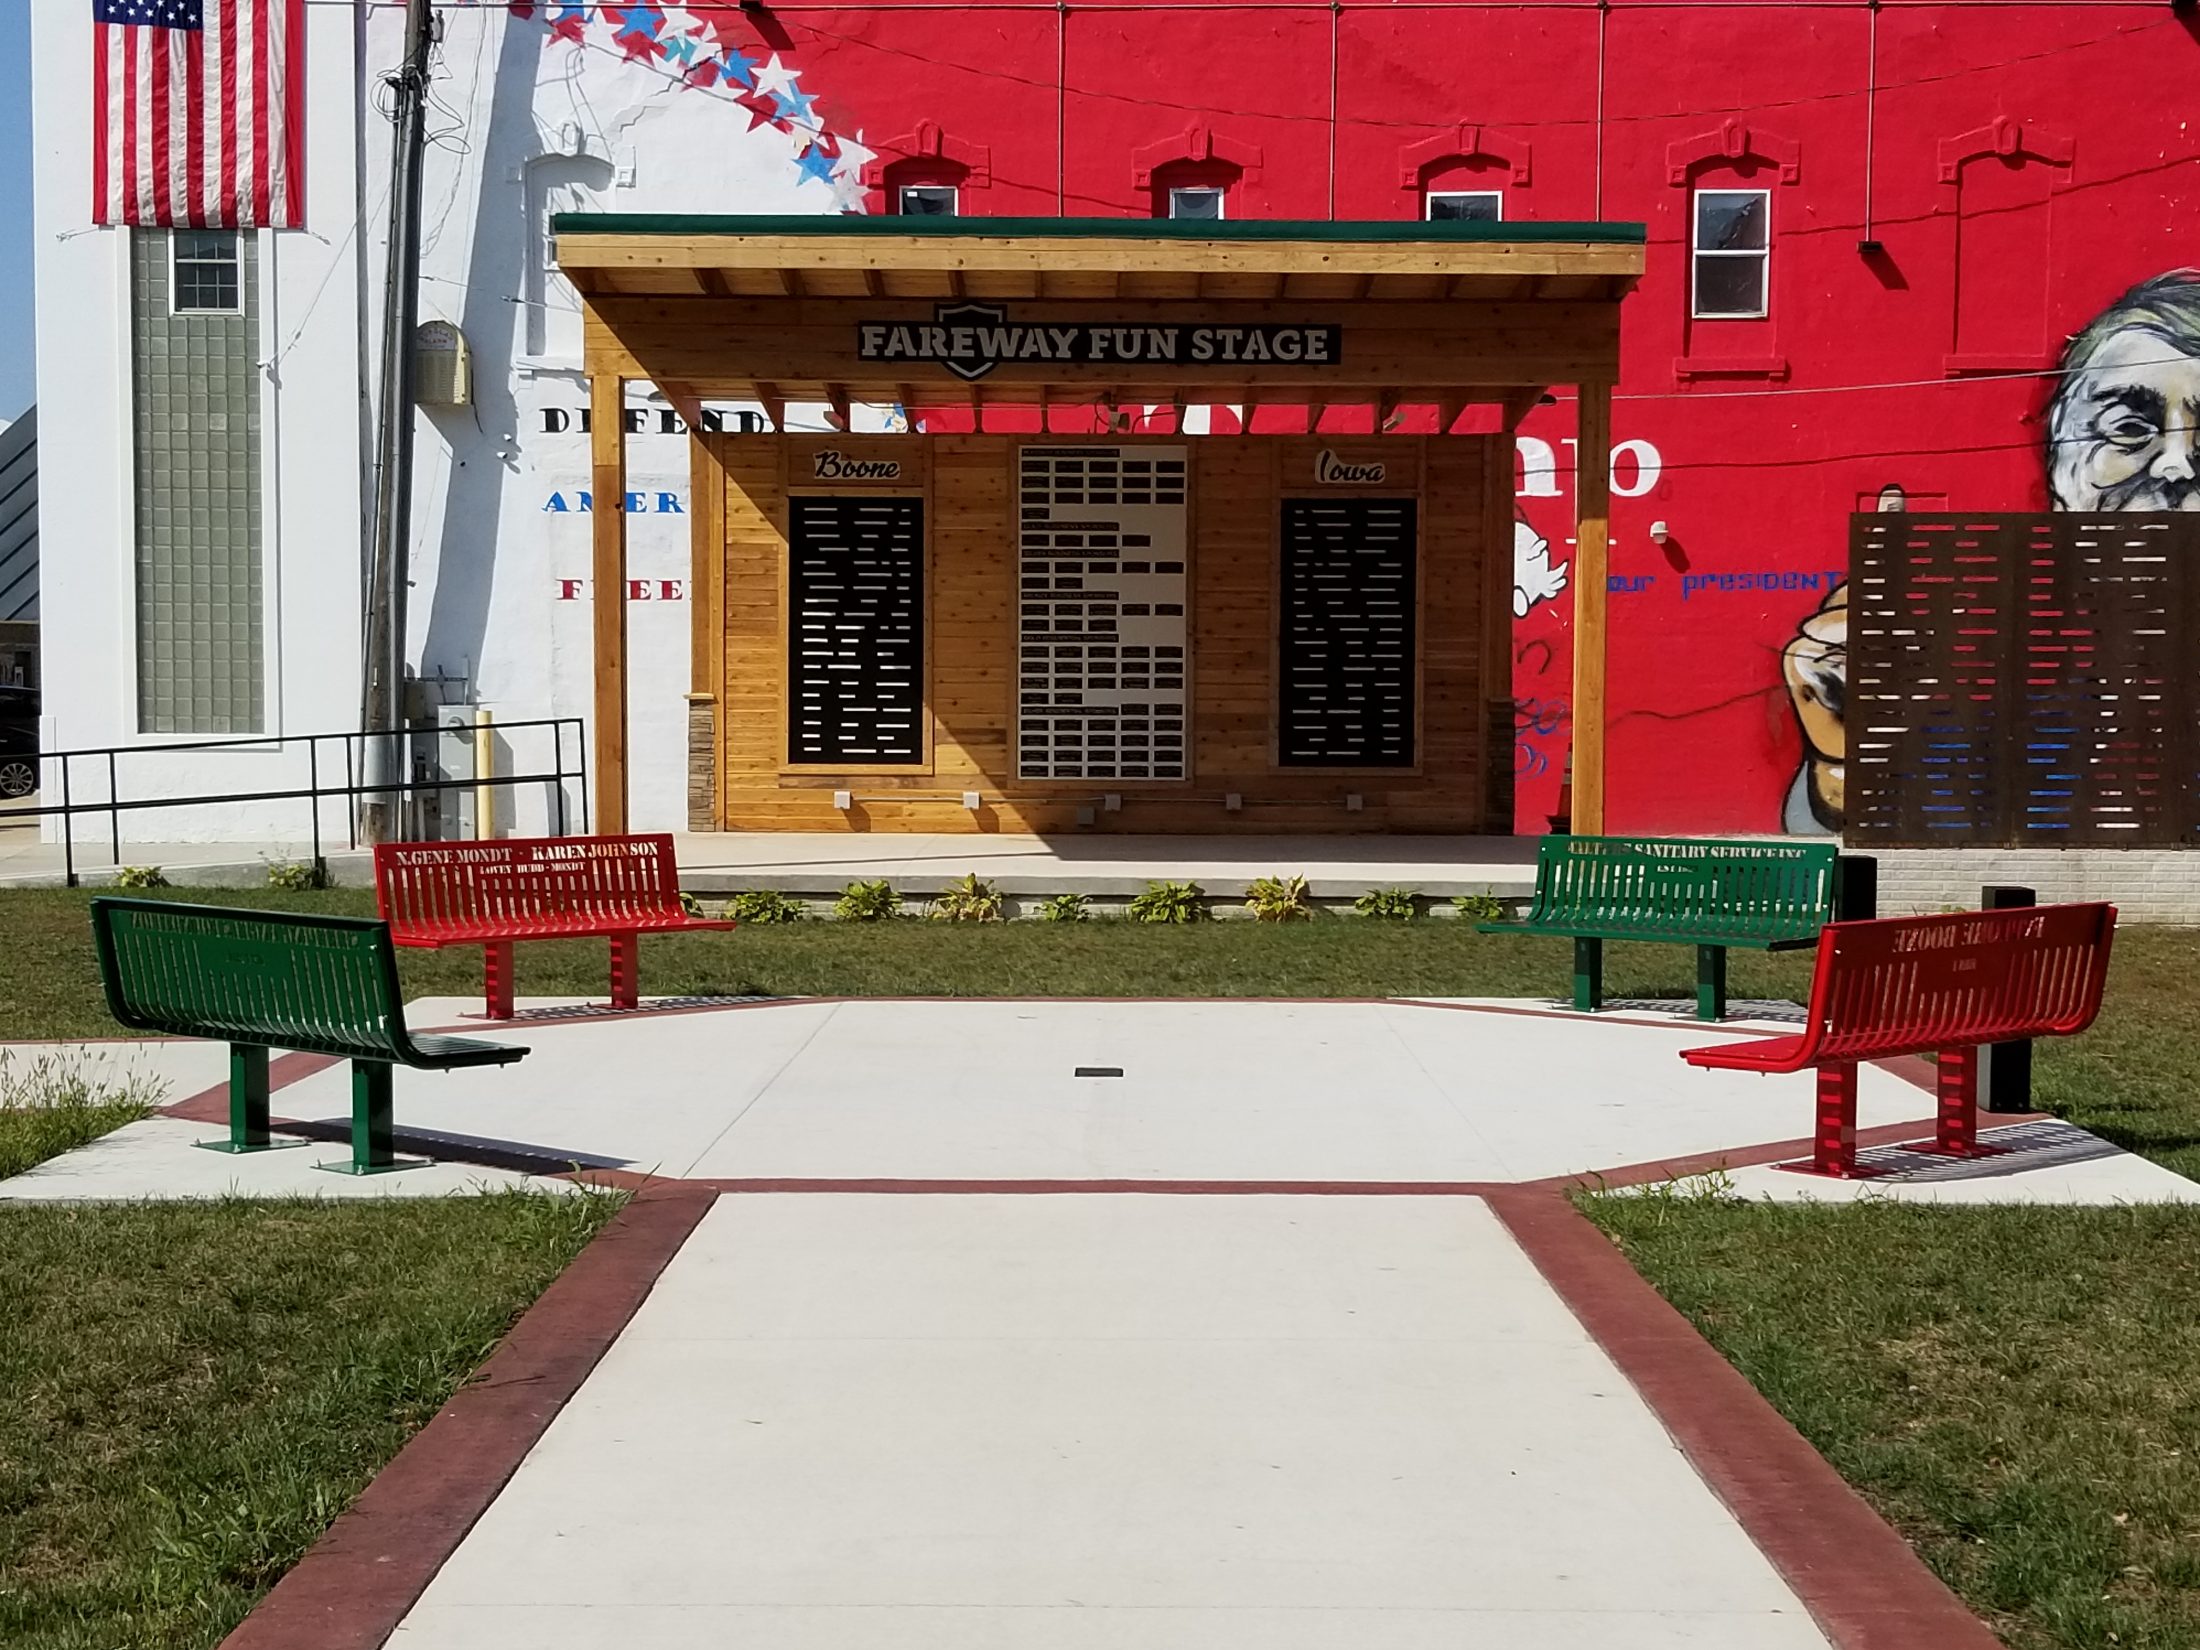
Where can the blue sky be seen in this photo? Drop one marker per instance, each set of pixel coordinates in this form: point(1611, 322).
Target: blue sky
point(16, 386)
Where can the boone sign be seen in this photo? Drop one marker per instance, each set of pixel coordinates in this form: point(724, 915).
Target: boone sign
point(970, 340)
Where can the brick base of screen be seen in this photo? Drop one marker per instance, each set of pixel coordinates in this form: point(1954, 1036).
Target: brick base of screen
point(2144, 884)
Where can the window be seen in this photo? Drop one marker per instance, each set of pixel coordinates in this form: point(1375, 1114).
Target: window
point(928, 200)
point(1196, 203)
point(1732, 249)
point(205, 280)
point(1465, 206)
point(195, 426)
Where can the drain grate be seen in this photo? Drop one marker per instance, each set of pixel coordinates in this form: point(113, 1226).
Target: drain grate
point(1099, 1071)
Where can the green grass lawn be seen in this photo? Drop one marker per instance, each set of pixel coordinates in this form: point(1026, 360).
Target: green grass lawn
point(190, 1392)
point(49, 1105)
point(2014, 1388)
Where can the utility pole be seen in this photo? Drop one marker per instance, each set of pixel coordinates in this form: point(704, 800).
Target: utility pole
point(388, 579)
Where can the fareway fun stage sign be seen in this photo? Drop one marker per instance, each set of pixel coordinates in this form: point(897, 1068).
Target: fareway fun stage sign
point(970, 340)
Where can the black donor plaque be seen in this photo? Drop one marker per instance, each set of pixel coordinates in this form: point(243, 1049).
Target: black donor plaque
point(1101, 622)
point(855, 605)
point(1347, 656)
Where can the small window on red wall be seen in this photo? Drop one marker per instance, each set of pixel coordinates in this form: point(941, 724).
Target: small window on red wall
point(928, 200)
point(1464, 206)
point(929, 187)
point(1194, 189)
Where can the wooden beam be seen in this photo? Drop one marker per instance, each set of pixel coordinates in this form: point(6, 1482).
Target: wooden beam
point(1519, 403)
point(873, 286)
point(686, 402)
point(906, 394)
point(607, 527)
point(1592, 524)
point(775, 406)
point(712, 283)
point(1448, 409)
point(956, 288)
point(1385, 405)
point(1499, 459)
point(836, 396)
point(1073, 255)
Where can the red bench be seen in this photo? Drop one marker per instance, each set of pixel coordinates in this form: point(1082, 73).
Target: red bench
point(490, 894)
point(1932, 985)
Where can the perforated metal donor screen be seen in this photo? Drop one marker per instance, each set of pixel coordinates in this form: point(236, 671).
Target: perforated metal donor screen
point(1101, 622)
point(1346, 656)
point(2024, 680)
point(855, 615)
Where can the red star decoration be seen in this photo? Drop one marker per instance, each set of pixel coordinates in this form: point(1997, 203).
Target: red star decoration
point(762, 111)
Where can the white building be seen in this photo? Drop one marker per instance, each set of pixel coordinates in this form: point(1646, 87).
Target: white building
point(206, 402)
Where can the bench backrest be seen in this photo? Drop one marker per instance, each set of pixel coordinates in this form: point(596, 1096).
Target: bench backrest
point(1909, 985)
point(425, 886)
point(1668, 884)
point(327, 985)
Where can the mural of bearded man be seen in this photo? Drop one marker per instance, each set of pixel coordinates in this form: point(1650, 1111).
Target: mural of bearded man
point(2123, 431)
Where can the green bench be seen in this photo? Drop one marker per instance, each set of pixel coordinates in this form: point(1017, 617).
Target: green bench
point(258, 980)
point(1762, 896)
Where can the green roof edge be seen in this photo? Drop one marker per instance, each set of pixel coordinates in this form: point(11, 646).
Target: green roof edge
point(1155, 229)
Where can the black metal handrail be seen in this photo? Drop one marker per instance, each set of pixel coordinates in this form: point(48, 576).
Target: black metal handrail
point(115, 805)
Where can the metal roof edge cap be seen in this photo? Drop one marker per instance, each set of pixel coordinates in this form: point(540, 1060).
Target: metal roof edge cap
point(1345, 231)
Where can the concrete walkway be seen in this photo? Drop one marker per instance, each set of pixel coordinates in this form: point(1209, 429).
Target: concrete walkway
point(962, 1423)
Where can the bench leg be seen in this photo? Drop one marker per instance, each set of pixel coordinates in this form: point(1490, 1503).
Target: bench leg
point(373, 1151)
point(248, 1104)
point(626, 971)
point(1833, 1146)
point(1710, 982)
point(1956, 1134)
point(1588, 975)
point(496, 978)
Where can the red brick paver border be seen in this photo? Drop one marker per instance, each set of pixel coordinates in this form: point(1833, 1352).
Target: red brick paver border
point(359, 1580)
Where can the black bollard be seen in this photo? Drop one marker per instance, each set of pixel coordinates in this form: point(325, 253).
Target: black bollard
point(1855, 888)
point(2005, 1069)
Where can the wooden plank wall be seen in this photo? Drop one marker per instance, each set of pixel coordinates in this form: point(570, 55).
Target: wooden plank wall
point(1238, 484)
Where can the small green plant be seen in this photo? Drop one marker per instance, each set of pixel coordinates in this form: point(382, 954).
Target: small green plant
point(140, 876)
point(969, 899)
point(295, 876)
point(1170, 902)
point(1389, 904)
point(867, 902)
point(1478, 907)
point(1279, 899)
point(1065, 908)
point(690, 905)
point(765, 905)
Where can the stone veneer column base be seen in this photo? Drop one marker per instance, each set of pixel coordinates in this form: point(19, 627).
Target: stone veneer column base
point(702, 793)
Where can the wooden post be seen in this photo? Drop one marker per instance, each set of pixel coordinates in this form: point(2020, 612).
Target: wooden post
point(1592, 528)
point(607, 523)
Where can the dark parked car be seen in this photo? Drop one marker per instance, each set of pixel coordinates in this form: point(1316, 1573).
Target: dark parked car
point(18, 741)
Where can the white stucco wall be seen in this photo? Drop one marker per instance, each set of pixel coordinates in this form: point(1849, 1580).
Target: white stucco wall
point(523, 124)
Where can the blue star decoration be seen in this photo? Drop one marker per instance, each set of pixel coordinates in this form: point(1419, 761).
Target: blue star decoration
point(739, 68)
point(814, 162)
point(794, 107)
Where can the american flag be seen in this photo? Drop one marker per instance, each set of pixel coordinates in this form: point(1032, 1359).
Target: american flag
point(198, 113)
